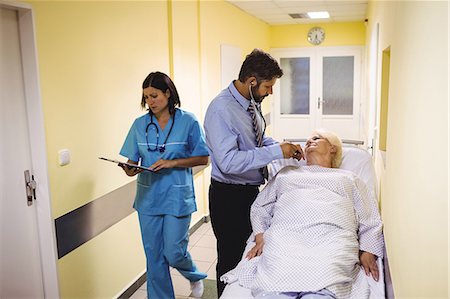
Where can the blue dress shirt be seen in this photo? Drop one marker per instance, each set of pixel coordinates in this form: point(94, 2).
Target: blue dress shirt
point(231, 141)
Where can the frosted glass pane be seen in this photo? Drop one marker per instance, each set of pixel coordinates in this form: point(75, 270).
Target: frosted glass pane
point(338, 85)
point(294, 85)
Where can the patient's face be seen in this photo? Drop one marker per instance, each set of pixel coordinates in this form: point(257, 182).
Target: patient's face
point(318, 144)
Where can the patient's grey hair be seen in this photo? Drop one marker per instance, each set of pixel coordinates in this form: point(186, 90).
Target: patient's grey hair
point(336, 160)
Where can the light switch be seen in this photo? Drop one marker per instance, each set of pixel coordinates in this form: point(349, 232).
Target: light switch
point(64, 157)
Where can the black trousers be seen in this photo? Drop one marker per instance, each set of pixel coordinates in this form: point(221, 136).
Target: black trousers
point(229, 209)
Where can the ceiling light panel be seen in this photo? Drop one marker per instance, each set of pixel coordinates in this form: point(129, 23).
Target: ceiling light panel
point(318, 15)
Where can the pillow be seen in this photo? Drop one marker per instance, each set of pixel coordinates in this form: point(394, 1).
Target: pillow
point(360, 162)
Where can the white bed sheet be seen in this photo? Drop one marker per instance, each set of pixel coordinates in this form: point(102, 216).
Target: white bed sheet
point(376, 289)
point(354, 159)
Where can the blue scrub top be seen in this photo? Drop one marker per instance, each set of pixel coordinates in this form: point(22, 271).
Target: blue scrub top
point(167, 191)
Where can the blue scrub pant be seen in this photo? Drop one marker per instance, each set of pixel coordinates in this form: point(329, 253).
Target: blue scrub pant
point(165, 240)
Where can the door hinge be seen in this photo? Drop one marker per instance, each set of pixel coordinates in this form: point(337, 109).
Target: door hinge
point(30, 187)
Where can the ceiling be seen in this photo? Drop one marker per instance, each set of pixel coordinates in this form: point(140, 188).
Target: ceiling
point(276, 12)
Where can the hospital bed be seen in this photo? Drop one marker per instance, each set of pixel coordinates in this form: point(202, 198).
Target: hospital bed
point(358, 161)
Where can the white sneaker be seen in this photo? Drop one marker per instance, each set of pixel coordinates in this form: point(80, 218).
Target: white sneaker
point(197, 288)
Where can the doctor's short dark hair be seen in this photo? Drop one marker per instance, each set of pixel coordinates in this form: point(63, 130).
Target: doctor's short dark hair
point(162, 82)
point(261, 65)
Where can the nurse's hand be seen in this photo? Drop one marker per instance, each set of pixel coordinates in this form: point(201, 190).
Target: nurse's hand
point(160, 164)
point(258, 248)
point(130, 171)
point(180, 163)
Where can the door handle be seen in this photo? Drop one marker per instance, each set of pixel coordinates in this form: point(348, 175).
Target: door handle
point(320, 102)
point(30, 187)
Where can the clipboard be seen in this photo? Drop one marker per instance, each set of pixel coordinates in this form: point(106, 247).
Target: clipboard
point(125, 163)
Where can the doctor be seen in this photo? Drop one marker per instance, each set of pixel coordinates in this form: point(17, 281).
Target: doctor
point(234, 127)
point(169, 141)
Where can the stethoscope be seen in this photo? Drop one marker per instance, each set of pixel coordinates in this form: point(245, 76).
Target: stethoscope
point(160, 148)
point(256, 106)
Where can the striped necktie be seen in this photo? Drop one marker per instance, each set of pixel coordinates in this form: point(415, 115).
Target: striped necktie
point(257, 122)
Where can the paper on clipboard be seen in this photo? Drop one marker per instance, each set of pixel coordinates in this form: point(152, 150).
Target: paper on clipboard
point(125, 163)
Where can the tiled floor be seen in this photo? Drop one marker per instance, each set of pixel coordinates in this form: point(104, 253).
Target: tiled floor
point(202, 246)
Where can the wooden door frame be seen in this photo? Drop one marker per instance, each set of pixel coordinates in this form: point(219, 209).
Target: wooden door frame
point(45, 221)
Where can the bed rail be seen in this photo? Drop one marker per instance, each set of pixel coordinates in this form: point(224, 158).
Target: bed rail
point(345, 141)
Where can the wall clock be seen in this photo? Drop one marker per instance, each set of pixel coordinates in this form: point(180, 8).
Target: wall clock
point(316, 35)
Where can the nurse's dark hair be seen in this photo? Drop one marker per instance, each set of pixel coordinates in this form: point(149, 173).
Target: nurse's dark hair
point(162, 82)
point(261, 65)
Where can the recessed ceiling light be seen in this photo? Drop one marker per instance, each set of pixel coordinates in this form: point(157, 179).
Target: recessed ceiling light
point(319, 15)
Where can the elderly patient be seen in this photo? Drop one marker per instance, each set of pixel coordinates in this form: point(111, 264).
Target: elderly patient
point(314, 225)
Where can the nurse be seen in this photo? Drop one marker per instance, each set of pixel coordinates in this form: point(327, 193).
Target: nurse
point(169, 141)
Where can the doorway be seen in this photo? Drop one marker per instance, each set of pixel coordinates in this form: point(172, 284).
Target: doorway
point(320, 88)
point(28, 257)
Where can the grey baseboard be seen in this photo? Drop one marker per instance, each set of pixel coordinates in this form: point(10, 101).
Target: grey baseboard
point(134, 287)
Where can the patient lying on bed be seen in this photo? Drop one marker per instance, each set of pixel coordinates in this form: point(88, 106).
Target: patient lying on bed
point(313, 225)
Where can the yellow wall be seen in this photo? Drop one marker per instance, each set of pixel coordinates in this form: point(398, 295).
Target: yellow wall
point(336, 34)
point(93, 57)
point(414, 179)
point(185, 66)
point(106, 265)
point(222, 23)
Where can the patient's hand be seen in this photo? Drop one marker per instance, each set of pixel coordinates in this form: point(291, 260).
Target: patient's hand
point(369, 263)
point(258, 248)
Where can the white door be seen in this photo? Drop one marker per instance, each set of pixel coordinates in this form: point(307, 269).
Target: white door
point(320, 88)
point(21, 268)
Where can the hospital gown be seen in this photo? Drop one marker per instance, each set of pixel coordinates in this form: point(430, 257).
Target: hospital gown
point(315, 220)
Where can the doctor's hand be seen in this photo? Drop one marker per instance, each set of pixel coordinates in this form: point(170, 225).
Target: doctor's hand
point(291, 150)
point(369, 263)
point(258, 248)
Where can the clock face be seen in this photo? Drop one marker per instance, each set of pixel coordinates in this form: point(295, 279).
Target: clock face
point(316, 35)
